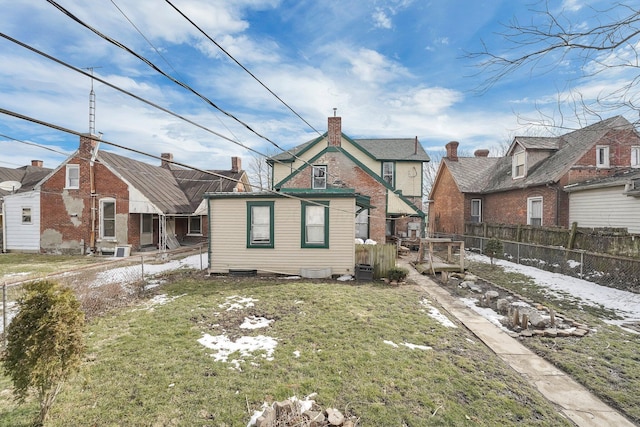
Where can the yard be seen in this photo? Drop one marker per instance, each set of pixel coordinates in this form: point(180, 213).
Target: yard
point(211, 351)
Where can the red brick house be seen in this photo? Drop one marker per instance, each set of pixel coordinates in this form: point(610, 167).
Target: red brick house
point(97, 201)
point(526, 186)
point(385, 173)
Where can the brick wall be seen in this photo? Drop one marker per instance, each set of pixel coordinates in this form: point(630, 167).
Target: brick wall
point(446, 215)
point(66, 213)
point(510, 207)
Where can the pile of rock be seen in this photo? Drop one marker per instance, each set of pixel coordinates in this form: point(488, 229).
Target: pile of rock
point(292, 412)
point(522, 316)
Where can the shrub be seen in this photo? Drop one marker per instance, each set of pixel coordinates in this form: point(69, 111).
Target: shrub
point(397, 274)
point(45, 343)
point(493, 249)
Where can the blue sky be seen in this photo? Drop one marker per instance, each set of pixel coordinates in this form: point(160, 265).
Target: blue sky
point(391, 68)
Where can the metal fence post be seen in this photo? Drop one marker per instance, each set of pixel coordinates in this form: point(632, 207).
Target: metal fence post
point(518, 253)
point(581, 264)
point(142, 266)
point(201, 266)
point(4, 313)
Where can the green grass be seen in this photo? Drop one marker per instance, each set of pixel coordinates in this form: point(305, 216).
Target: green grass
point(606, 361)
point(144, 367)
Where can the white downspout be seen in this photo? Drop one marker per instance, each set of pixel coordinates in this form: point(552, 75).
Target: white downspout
point(4, 229)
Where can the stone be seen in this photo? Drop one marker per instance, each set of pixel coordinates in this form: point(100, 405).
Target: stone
point(283, 409)
point(470, 278)
point(335, 417)
point(550, 333)
point(537, 321)
point(465, 284)
point(316, 419)
point(527, 333)
point(579, 332)
point(267, 418)
point(564, 333)
point(348, 423)
point(491, 295)
point(503, 305)
point(475, 288)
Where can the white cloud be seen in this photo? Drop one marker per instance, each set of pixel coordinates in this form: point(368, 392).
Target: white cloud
point(381, 20)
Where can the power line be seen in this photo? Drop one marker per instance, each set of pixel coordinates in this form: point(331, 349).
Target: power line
point(159, 70)
point(241, 66)
point(184, 165)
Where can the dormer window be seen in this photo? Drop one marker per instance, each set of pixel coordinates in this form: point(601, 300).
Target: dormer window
point(518, 165)
point(602, 156)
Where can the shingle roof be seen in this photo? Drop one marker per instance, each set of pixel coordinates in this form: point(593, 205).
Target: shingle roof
point(471, 173)
point(486, 175)
point(196, 183)
point(155, 183)
point(618, 179)
point(538, 142)
point(27, 176)
point(393, 149)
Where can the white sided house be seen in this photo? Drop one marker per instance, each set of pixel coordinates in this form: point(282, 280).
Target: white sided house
point(612, 202)
point(307, 233)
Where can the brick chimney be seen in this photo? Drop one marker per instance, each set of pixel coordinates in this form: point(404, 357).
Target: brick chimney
point(452, 150)
point(334, 133)
point(87, 144)
point(236, 164)
point(37, 163)
point(481, 153)
point(167, 158)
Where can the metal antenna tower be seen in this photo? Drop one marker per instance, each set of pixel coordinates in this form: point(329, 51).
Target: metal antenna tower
point(92, 105)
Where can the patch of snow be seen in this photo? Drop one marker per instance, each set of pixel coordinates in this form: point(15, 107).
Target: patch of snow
point(345, 278)
point(296, 353)
point(236, 302)
point(245, 346)
point(573, 264)
point(435, 313)
point(254, 322)
point(487, 313)
point(625, 304)
point(291, 277)
point(391, 343)
point(370, 242)
point(157, 300)
point(416, 346)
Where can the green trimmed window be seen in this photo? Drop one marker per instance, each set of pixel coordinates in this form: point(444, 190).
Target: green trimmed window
point(260, 224)
point(315, 225)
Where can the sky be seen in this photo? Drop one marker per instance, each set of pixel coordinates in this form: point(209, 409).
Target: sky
point(391, 68)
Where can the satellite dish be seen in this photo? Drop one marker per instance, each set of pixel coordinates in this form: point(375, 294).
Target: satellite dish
point(10, 185)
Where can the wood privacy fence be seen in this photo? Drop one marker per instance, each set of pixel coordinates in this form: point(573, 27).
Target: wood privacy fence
point(611, 241)
point(381, 257)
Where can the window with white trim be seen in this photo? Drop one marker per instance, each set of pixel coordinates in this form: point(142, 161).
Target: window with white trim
point(319, 177)
point(635, 157)
point(518, 165)
point(534, 211)
point(72, 177)
point(260, 225)
point(476, 210)
point(108, 218)
point(315, 225)
point(388, 172)
point(26, 215)
point(195, 225)
point(602, 156)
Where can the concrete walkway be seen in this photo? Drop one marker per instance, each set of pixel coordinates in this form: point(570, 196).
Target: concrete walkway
point(576, 402)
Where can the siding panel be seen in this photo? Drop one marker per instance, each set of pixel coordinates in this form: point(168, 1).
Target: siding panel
point(605, 207)
point(22, 237)
point(228, 230)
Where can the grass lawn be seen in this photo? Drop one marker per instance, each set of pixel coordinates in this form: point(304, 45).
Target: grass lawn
point(145, 367)
point(606, 361)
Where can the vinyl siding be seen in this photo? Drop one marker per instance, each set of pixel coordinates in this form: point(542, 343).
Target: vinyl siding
point(22, 237)
point(409, 178)
point(605, 207)
point(228, 240)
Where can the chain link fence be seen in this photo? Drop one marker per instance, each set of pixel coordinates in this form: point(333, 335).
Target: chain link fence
point(606, 270)
point(105, 286)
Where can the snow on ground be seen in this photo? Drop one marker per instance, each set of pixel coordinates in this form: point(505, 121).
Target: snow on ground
point(624, 304)
point(435, 313)
point(408, 345)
